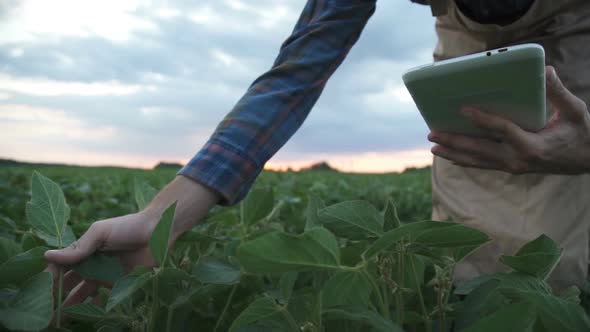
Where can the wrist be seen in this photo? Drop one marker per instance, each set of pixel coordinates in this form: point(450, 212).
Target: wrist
point(193, 202)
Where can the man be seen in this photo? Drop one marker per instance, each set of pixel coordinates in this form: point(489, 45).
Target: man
point(277, 102)
point(514, 209)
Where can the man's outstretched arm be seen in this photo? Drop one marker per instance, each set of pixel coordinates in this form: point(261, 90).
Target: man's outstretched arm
point(276, 104)
point(268, 114)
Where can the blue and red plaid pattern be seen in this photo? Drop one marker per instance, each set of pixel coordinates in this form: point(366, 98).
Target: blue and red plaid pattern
point(277, 103)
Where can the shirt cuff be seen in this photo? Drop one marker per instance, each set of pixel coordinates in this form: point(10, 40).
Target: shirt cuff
point(223, 169)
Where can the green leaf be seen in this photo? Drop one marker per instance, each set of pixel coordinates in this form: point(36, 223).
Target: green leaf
point(100, 267)
point(8, 248)
point(286, 284)
point(413, 271)
point(210, 270)
point(257, 205)
point(279, 252)
point(390, 218)
point(30, 241)
point(468, 286)
point(86, 312)
point(452, 236)
point(354, 220)
point(538, 257)
point(170, 284)
point(571, 294)
point(360, 314)
point(47, 212)
point(489, 296)
point(407, 232)
point(261, 309)
point(125, 287)
point(311, 212)
point(21, 267)
point(67, 239)
point(555, 314)
point(346, 288)
point(161, 236)
point(515, 317)
point(144, 193)
point(521, 281)
point(31, 309)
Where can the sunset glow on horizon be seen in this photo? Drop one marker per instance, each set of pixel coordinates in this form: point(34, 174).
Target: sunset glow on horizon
point(370, 162)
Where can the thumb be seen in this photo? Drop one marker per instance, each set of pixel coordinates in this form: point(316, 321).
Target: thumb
point(566, 102)
point(80, 249)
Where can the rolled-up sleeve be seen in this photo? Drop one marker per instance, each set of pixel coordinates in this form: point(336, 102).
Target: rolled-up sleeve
point(277, 103)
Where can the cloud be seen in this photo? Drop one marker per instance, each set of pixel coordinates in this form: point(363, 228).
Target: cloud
point(44, 87)
point(39, 20)
point(155, 77)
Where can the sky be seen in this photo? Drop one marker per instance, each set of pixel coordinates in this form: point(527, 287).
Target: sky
point(132, 82)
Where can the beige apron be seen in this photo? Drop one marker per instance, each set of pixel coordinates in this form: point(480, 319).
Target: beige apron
point(514, 209)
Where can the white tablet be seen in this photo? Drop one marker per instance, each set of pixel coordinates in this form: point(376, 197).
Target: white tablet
point(508, 81)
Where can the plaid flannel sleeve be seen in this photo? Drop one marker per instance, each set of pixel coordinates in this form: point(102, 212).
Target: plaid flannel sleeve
point(277, 103)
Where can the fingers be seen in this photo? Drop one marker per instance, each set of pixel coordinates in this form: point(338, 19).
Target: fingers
point(463, 159)
point(468, 144)
point(481, 152)
point(80, 293)
point(506, 129)
point(80, 249)
point(71, 279)
point(464, 150)
point(565, 101)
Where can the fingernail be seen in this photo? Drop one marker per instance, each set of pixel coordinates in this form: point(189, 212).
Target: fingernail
point(50, 252)
point(432, 137)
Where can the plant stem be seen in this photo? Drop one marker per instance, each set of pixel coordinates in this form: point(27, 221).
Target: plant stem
point(384, 310)
point(169, 318)
point(399, 296)
point(319, 313)
point(60, 284)
point(155, 302)
point(290, 320)
point(220, 319)
point(427, 323)
point(59, 296)
point(385, 292)
point(441, 312)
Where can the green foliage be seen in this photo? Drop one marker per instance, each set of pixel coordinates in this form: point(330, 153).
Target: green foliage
point(264, 310)
point(161, 236)
point(22, 266)
point(31, 308)
point(100, 267)
point(319, 252)
point(513, 317)
point(144, 193)
point(354, 220)
point(346, 288)
point(279, 252)
point(352, 313)
point(538, 257)
point(47, 212)
point(257, 205)
point(210, 270)
point(390, 218)
point(85, 312)
point(125, 287)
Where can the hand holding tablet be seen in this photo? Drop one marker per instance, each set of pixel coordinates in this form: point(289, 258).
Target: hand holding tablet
point(561, 147)
point(509, 82)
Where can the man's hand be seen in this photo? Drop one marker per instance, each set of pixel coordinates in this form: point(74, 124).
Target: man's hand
point(128, 237)
point(562, 147)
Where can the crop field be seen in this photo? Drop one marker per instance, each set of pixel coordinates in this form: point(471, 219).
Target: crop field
point(308, 251)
